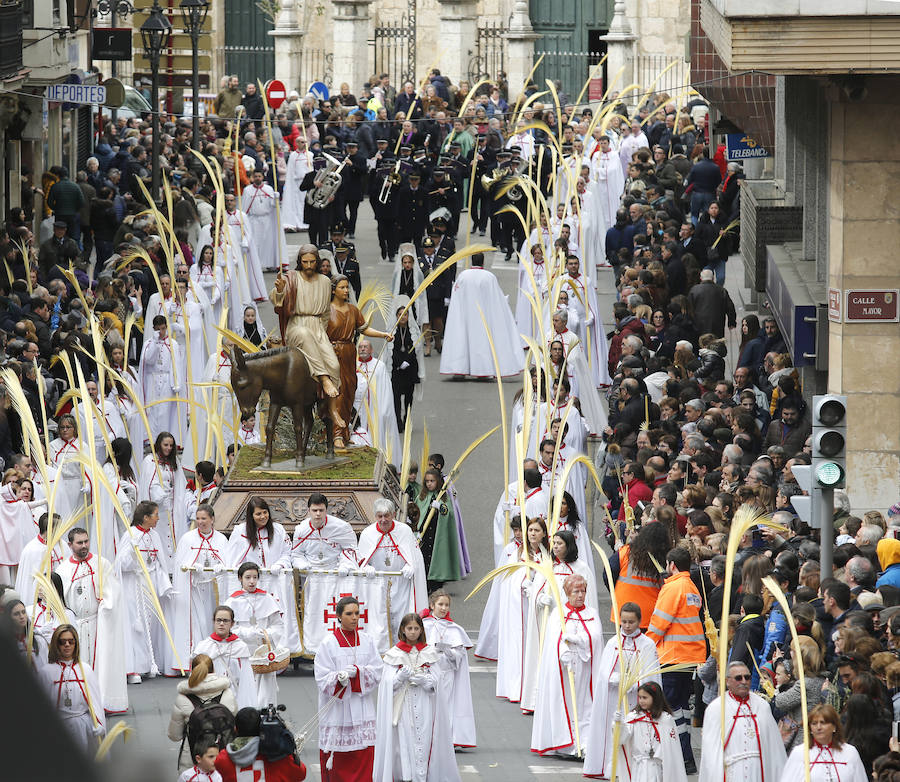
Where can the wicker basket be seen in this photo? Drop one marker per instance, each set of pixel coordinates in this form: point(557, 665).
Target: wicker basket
point(270, 659)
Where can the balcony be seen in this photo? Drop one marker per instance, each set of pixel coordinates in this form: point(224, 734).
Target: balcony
point(10, 38)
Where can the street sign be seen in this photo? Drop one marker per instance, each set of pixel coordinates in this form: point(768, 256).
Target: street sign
point(178, 79)
point(115, 93)
point(173, 63)
point(319, 89)
point(740, 146)
point(111, 43)
point(76, 93)
point(872, 306)
point(276, 93)
point(834, 305)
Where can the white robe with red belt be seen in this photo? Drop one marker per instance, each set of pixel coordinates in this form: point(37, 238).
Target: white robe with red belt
point(258, 621)
point(826, 764)
point(30, 562)
point(231, 656)
point(74, 692)
point(452, 644)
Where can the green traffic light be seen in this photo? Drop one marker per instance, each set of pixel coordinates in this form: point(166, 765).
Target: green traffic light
point(829, 474)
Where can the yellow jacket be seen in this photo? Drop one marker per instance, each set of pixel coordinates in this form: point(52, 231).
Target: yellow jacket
point(675, 627)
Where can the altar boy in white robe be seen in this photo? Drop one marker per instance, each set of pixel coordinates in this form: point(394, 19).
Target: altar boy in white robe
point(570, 645)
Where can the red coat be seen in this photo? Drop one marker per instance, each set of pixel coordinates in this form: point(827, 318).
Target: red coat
point(638, 491)
point(284, 770)
point(633, 326)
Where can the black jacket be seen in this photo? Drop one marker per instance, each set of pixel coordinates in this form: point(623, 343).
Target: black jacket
point(750, 632)
point(712, 307)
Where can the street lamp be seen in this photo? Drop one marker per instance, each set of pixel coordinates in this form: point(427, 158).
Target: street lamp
point(194, 14)
point(156, 33)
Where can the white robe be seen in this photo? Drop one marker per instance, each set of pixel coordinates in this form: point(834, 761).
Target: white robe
point(825, 765)
point(452, 644)
point(105, 514)
point(529, 323)
point(210, 280)
point(231, 656)
point(243, 237)
point(74, 487)
point(197, 592)
point(220, 399)
point(75, 693)
point(166, 487)
point(746, 737)
point(348, 722)
point(609, 181)
point(391, 551)
point(258, 203)
point(163, 376)
point(467, 348)
point(555, 715)
point(292, 200)
point(649, 750)
point(256, 616)
point(30, 562)
point(187, 319)
point(375, 395)
point(414, 737)
point(268, 553)
point(147, 648)
point(100, 623)
point(321, 549)
point(583, 298)
point(488, 635)
point(640, 655)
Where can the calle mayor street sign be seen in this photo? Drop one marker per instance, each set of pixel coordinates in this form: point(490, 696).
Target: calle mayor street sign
point(77, 93)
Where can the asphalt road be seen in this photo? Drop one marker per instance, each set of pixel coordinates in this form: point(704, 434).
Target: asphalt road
point(456, 413)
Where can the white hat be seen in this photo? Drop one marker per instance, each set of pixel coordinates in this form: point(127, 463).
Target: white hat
point(249, 163)
point(408, 248)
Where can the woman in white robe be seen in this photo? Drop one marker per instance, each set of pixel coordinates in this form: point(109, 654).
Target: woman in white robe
point(452, 644)
point(210, 278)
point(231, 655)
point(17, 529)
point(573, 638)
point(73, 485)
point(73, 689)
point(488, 632)
point(263, 541)
point(121, 478)
point(831, 759)
point(649, 748)
point(292, 200)
point(415, 741)
point(162, 481)
point(570, 520)
point(639, 655)
point(257, 622)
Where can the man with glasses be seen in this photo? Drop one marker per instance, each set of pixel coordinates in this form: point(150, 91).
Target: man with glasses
point(753, 750)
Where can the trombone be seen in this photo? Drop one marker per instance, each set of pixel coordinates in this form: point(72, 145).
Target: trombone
point(392, 179)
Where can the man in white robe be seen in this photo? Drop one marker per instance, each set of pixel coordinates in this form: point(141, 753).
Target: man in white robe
point(608, 179)
point(242, 237)
point(375, 397)
point(147, 649)
point(293, 201)
point(33, 555)
point(631, 144)
point(388, 545)
point(161, 302)
point(258, 203)
point(638, 656)
point(753, 749)
point(319, 543)
point(162, 373)
point(535, 505)
point(99, 616)
point(467, 340)
point(583, 298)
point(571, 646)
point(528, 321)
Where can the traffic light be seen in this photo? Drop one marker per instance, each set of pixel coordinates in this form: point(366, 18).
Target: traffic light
point(804, 504)
point(829, 441)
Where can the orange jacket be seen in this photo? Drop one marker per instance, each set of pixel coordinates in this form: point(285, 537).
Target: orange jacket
point(634, 588)
point(676, 627)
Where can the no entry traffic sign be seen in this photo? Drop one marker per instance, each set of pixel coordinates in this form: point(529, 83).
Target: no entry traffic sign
point(276, 92)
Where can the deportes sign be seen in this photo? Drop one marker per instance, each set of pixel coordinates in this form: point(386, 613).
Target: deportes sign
point(740, 146)
point(77, 93)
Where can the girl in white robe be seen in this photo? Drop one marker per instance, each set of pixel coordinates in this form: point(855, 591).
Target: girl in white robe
point(487, 646)
point(122, 480)
point(639, 655)
point(570, 520)
point(452, 644)
point(73, 689)
point(165, 485)
point(649, 748)
point(263, 541)
point(73, 483)
point(230, 654)
point(210, 278)
point(257, 622)
point(163, 374)
point(415, 742)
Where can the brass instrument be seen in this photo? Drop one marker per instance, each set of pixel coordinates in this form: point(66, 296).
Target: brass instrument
point(328, 180)
point(516, 193)
point(390, 182)
point(489, 180)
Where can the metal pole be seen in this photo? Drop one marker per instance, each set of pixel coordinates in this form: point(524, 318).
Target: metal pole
point(114, 65)
point(154, 105)
point(195, 84)
point(826, 532)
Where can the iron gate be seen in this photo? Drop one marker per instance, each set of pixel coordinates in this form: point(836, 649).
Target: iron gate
point(489, 56)
point(249, 49)
point(395, 47)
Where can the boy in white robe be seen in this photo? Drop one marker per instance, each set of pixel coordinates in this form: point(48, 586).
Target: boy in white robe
point(33, 556)
point(163, 376)
point(258, 203)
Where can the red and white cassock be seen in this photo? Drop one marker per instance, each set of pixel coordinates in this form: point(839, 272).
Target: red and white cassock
point(258, 620)
point(639, 654)
point(198, 590)
point(30, 562)
point(166, 486)
point(231, 655)
point(163, 375)
point(649, 749)
point(394, 550)
point(330, 547)
point(570, 644)
point(826, 764)
point(487, 647)
point(74, 484)
point(74, 691)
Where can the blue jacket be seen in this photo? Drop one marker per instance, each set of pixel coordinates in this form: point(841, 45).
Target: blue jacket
point(776, 632)
point(891, 577)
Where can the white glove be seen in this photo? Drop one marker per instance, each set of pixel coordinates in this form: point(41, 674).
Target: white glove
point(99, 730)
point(614, 677)
point(417, 680)
point(545, 600)
point(617, 717)
point(369, 571)
point(402, 675)
point(176, 390)
point(276, 569)
point(300, 562)
point(446, 302)
point(343, 570)
point(343, 678)
point(408, 572)
point(351, 671)
point(85, 488)
point(436, 505)
point(566, 657)
point(571, 638)
point(404, 365)
point(218, 568)
point(526, 589)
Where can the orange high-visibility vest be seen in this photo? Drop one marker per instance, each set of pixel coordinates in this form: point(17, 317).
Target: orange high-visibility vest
point(675, 626)
point(634, 588)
